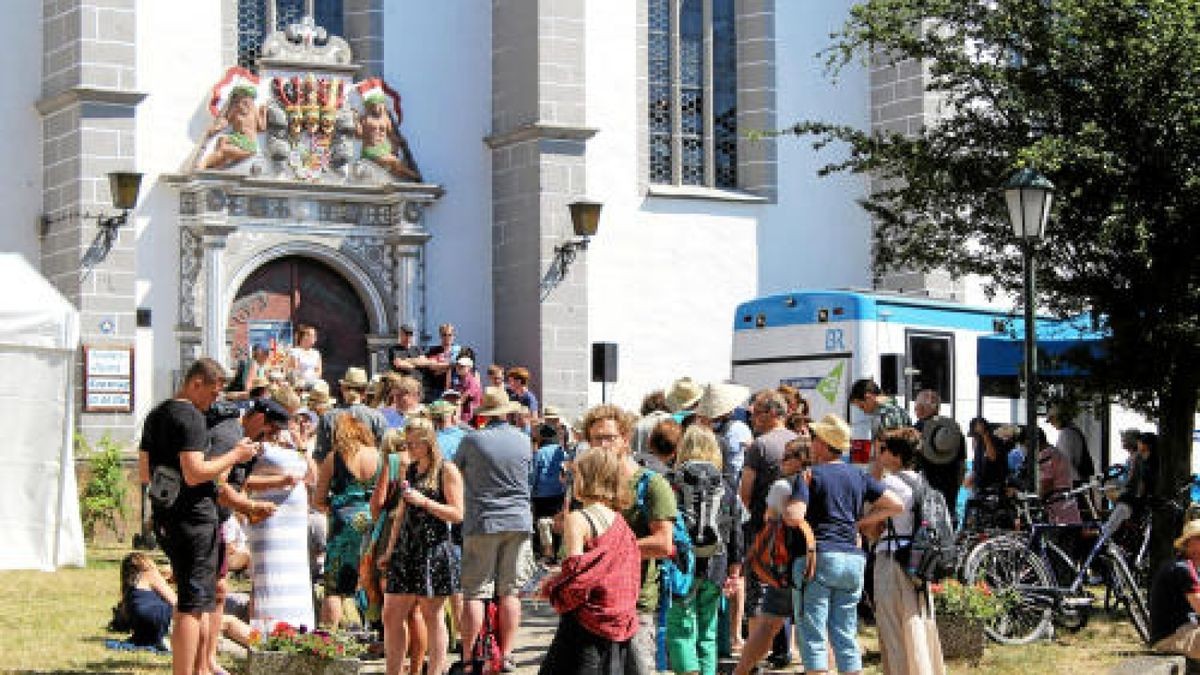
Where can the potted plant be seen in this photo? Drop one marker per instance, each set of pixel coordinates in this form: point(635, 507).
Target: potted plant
point(962, 612)
point(291, 649)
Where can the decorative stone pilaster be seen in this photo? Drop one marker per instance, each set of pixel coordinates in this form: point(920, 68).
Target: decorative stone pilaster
point(213, 242)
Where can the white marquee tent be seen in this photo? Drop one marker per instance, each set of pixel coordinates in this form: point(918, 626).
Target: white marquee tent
point(40, 526)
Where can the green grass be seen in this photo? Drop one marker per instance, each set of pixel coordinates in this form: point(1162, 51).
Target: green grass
point(1104, 642)
point(54, 622)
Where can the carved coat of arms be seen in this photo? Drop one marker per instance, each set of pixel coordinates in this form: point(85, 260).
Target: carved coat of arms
point(307, 126)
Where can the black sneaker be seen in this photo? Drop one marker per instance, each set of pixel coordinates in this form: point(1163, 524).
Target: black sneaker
point(779, 661)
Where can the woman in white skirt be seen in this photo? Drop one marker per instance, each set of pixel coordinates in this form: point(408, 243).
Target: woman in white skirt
point(279, 544)
point(908, 639)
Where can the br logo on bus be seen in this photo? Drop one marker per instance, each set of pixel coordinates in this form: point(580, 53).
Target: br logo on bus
point(835, 340)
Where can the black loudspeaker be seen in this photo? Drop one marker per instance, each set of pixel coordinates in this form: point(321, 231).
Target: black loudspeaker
point(604, 362)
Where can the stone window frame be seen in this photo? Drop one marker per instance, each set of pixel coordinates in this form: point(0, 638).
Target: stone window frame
point(362, 27)
point(756, 108)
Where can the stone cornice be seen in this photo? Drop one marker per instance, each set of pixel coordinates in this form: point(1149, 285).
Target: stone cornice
point(251, 185)
point(86, 94)
point(539, 131)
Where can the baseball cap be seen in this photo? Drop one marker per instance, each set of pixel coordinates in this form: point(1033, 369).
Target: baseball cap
point(271, 409)
point(407, 328)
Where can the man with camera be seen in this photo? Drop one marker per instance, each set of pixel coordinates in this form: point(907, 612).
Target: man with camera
point(183, 494)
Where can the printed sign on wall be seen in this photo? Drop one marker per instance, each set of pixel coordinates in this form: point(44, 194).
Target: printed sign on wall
point(107, 379)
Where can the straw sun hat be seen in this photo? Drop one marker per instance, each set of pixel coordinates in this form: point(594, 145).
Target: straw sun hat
point(683, 394)
point(721, 398)
point(833, 430)
point(496, 403)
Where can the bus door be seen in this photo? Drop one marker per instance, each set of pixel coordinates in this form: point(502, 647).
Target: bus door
point(930, 365)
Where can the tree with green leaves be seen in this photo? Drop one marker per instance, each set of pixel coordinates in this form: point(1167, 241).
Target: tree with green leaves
point(1103, 97)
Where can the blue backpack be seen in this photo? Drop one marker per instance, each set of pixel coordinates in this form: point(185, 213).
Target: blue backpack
point(678, 571)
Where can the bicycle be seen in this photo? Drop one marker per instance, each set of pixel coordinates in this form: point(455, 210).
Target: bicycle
point(1029, 570)
point(1133, 536)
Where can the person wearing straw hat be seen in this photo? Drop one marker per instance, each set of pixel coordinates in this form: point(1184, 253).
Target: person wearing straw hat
point(443, 412)
point(318, 399)
point(832, 501)
point(1175, 598)
point(497, 520)
point(683, 395)
point(354, 389)
point(716, 405)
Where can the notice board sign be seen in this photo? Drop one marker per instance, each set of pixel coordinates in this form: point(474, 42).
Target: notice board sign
point(107, 379)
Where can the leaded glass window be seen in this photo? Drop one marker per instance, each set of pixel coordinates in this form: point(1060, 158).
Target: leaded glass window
point(252, 20)
point(660, 91)
point(692, 80)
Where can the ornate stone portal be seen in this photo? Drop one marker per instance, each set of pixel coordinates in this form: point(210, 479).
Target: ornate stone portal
point(301, 161)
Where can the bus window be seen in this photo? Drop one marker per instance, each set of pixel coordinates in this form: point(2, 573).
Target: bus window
point(890, 373)
point(931, 365)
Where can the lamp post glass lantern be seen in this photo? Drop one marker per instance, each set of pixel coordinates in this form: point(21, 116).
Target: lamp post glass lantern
point(1028, 195)
point(585, 217)
point(124, 186)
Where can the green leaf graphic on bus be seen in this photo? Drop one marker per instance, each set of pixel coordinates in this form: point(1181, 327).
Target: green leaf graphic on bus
point(829, 384)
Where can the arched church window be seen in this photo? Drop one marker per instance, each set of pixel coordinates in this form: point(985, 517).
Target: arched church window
point(692, 93)
point(253, 17)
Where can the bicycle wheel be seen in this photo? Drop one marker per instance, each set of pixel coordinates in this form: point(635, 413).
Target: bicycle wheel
point(1008, 566)
point(1126, 590)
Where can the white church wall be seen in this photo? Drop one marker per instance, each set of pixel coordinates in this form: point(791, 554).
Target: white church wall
point(179, 60)
point(816, 236)
point(664, 274)
point(438, 58)
point(21, 129)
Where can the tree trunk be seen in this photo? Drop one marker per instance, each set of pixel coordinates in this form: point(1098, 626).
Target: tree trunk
point(1176, 418)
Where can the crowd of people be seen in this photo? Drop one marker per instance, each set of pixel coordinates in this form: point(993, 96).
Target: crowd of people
point(435, 511)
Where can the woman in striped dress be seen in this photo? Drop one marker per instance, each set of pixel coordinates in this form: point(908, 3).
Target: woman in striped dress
point(279, 544)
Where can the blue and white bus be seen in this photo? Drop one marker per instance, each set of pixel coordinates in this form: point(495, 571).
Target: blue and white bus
point(820, 341)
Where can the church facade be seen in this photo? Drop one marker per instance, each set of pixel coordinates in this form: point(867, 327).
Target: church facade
point(358, 164)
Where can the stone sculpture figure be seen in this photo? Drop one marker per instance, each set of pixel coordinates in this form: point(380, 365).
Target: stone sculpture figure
point(378, 135)
point(245, 119)
point(278, 143)
point(342, 152)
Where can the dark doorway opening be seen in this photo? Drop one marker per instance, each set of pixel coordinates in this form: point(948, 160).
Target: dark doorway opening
point(294, 290)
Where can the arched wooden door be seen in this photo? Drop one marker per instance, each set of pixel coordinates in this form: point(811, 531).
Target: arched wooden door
point(294, 290)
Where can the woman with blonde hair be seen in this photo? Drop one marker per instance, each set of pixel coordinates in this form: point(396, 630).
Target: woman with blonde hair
point(344, 486)
point(384, 501)
point(422, 560)
point(595, 592)
point(692, 621)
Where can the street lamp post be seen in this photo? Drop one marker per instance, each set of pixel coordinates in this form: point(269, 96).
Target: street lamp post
point(1029, 194)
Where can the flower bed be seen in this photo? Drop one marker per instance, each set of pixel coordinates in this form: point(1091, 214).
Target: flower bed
point(288, 649)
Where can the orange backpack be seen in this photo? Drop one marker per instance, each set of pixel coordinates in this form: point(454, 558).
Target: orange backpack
point(770, 557)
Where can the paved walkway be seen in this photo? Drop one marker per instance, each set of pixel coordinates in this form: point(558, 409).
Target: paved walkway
point(538, 622)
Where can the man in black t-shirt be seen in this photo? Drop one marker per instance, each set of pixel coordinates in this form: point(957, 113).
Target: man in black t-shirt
point(1175, 599)
point(175, 437)
point(402, 355)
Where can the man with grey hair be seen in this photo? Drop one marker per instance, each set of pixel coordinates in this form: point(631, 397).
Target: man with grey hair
point(764, 464)
point(943, 448)
point(497, 520)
